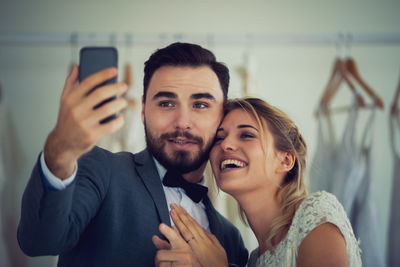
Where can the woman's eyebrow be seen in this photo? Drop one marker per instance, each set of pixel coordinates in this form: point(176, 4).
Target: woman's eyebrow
point(246, 126)
point(239, 127)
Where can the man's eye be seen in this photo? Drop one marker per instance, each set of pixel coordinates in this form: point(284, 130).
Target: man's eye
point(200, 105)
point(166, 104)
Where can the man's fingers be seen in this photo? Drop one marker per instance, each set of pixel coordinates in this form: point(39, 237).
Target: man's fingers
point(159, 243)
point(104, 93)
point(111, 126)
point(96, 79)
point(71, 81)
point(88, 117)
point(115, 106)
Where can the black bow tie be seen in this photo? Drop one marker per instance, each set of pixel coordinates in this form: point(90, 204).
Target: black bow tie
point(196, 192)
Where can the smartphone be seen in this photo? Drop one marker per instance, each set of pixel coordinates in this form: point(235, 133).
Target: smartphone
point(94, 59)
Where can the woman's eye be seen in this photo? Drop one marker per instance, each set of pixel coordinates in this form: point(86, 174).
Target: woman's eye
point(200, 105)
point(247, 135)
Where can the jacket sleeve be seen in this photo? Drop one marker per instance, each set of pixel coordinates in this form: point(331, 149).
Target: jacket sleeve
point(52, 221)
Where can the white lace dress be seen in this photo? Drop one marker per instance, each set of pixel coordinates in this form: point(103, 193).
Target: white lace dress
point(316, 209)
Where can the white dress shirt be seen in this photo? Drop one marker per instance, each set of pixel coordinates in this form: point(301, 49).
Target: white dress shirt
point(172, 194)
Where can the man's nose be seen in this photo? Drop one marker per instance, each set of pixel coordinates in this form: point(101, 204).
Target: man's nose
point(183, 119)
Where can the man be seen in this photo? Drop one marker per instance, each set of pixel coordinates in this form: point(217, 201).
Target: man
point(96, 208)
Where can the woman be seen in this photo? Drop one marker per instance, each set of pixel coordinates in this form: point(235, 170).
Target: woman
point(259, 159)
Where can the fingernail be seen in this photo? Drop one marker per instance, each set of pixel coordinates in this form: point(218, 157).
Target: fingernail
point(173, 213)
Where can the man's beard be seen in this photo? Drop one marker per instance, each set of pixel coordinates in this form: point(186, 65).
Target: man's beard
point(180, 160)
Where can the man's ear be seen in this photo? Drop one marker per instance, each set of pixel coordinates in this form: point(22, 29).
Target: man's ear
point(286, 161)
point(143, 109)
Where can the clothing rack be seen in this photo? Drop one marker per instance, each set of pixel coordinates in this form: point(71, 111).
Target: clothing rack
point(338, 39)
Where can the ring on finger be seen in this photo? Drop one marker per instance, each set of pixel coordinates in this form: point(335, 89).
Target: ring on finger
point(190, 239)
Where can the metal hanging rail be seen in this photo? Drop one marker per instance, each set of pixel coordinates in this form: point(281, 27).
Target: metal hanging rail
point(211, 39)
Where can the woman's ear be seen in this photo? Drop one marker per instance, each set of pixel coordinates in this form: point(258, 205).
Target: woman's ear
point(286, 161)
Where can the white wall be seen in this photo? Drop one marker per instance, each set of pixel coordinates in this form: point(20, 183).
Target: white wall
point(288, 76)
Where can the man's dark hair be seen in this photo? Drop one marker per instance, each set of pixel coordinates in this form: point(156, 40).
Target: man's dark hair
point(183, 55)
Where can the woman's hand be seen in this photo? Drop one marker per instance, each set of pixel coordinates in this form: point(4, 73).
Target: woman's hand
point(204, 245)
point(175, 253)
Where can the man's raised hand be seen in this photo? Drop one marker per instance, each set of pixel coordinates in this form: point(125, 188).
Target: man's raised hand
point(78, 126)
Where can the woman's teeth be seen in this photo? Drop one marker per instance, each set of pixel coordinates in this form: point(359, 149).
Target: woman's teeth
point(231, 163)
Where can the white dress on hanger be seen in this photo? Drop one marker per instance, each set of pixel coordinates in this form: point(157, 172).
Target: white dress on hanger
point(11, 159)
point(364, 214)
point(345, 170)
point(348, 169)
point(324, 160)
point(316, 209)
point(394, 230)
point(335, 167)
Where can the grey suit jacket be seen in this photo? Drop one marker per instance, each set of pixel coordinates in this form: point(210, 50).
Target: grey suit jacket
point(108, 215)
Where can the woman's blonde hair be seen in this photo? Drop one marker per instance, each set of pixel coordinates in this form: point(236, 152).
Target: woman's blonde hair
point(287, 138)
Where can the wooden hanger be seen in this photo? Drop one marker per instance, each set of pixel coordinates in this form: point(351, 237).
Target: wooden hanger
point(331, 83)
point(395, 105)
point(128, 79)
point(244, 75)
point(339, 74)
point(128, 75)
point(351, 68)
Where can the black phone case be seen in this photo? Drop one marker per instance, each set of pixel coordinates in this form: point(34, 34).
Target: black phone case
point(94, 59)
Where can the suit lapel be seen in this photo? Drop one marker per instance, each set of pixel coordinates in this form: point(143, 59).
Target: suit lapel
point(213, 220)
point(148, 173)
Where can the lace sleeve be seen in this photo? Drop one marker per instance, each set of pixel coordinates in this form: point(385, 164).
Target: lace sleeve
point(322, 207)
point(316, 209)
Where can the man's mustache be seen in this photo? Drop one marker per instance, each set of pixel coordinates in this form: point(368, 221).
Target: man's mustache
point(184, 134)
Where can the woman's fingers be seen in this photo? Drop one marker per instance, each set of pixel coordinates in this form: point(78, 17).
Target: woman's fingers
point(188, 226)
point(184, 229)
point(159, 243)
point(206, 248)
point(177, 251)
point(175, 257)
point(214, 240)
point(174, 238)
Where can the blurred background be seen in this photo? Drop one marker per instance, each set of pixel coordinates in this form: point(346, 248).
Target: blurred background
point(281, 51)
